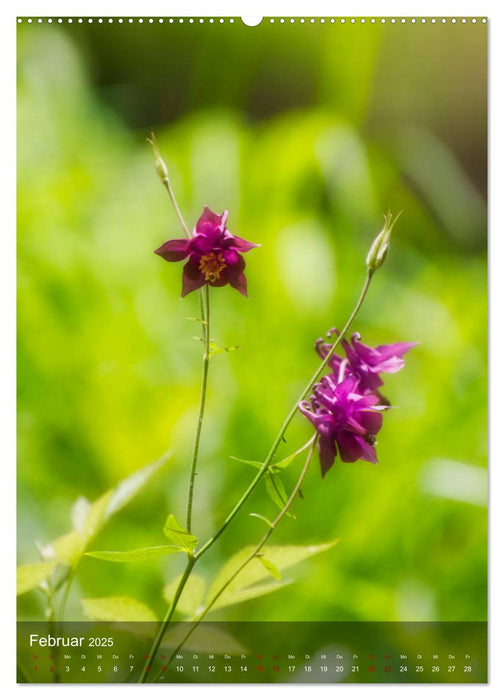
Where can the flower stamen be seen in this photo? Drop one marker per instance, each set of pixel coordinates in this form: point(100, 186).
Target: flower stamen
point(211, 266)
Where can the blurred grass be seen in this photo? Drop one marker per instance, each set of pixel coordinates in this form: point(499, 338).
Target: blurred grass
point(108, 372)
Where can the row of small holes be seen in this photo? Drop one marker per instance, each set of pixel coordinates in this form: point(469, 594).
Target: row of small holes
point(272, 20)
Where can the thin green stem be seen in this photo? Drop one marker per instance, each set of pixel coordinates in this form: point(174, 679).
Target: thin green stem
point(205, 308)
point(169, 614)
point(255, 553)
point(167, 184)
point(205, 321)
point(264, 468)
point(162, 171)
point(66, 591)
point(267, 462)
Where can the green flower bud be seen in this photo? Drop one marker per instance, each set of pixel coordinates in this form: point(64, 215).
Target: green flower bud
point(161, 168)
point(379, 248)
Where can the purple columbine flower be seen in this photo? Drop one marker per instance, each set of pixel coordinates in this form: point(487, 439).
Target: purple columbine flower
point(345, 421)
point(365, 362)
point(214, 255)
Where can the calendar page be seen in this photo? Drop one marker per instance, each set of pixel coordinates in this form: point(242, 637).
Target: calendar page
point(252, 350)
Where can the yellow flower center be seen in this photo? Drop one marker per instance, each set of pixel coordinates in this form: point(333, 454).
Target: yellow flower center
point(211, 266)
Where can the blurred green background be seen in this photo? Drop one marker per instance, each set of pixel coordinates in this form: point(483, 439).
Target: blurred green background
point(307, 134)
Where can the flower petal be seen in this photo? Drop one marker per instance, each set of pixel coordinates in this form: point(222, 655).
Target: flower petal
point(211, 224)
point(235, 272)
point(242, 245)
point(174, 250)
point(352, 447)
point(238, 281)
point(233, 258)
point(327, 454)
point(391, 356)
point(371, 421)
point(200, 243)
point(192, 277)
point(222, 280)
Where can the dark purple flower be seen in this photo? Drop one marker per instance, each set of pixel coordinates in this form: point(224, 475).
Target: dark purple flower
point(214, 255)
point(365, 362)
point(344, 419)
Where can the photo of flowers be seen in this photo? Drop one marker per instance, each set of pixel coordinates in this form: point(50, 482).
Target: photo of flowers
point(252, 350)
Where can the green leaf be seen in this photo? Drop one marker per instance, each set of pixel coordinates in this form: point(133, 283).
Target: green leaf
point(270, 567)
point(192, 596)
point(89, 518)
point(29, 576)
point(206, 639)
point(248, 461)
point(216, 350)
point(283, 556)
point(276, 491)
point(282, 464)
point(131, 485)
point(261, 517)
point(80, 510)
point(136, 554)
point(118, 609)
point(174, 531)
point(96, 517)
point(68, 548)
point(231, 597)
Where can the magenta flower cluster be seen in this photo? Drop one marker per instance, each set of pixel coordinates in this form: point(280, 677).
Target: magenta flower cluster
point(346, 406)
point(215, 255)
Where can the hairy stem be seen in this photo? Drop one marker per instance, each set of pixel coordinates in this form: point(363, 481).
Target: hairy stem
point(255, 553)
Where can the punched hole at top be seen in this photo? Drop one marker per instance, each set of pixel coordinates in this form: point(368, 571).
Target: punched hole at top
point(251, 21)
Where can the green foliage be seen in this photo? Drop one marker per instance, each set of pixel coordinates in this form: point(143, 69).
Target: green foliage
point(31, 575)
point(174, 531)
point(260, 567)
point(192, 596)
point(136, 554)
point(276, 491)
point(88, 519)
point(233, 597)
point(216, 350)
point(117, 609)
point(107, 370)
point(270, 567)
point(206, 640)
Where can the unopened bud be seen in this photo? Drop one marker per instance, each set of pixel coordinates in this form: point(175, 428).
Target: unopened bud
point(161, 168)
point(379, 248)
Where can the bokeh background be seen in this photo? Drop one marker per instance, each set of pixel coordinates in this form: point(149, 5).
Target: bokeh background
point(307, 134)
